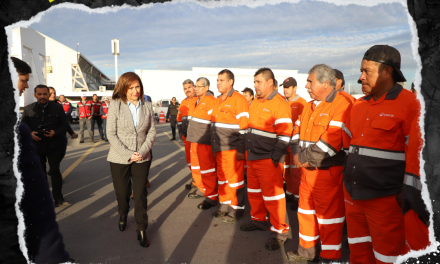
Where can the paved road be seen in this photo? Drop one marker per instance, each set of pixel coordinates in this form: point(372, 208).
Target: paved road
point(178, 231)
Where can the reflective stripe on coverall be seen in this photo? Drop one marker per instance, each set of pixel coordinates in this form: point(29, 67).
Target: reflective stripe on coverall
point(228, 131)
point(374, 174)
point(318, 138)
point(199, 136)
point(270, 128)
point(292, 174)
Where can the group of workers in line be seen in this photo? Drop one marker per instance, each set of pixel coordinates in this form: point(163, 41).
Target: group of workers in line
point(342, 159)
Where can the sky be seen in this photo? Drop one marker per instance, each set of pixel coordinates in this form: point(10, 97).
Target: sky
point(178, 36)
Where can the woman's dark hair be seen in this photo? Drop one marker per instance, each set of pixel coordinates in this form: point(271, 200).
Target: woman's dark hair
point(21, 67)
point(124, 83)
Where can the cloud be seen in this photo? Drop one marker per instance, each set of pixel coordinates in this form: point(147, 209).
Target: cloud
point(183, 35)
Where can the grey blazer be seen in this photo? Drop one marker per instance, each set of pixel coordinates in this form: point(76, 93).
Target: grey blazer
point(124, 138)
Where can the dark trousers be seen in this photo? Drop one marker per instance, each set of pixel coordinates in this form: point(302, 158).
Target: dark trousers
point(149, 166)
point(98, 120)
point(54, 158)
point(82, 123)
point(173, 121)
point(121, 174)
point(104, 127)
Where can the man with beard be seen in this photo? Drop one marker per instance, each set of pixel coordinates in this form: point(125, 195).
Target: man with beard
point(270, 128)
point(48, 124)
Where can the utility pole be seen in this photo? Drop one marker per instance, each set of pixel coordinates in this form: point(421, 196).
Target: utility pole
point(115, 51)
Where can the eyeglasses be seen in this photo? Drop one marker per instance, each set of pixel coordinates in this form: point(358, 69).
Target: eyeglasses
point(199, 87)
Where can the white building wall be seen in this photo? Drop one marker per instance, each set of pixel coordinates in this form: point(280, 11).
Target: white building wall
point(29, 46)
point(163, 84)
point(61, 58)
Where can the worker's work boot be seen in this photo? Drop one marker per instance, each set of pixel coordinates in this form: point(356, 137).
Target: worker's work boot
point(274, 243)
point(250, 227)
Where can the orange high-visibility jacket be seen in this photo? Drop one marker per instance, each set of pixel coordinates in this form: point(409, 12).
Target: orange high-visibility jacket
point(296, 106)
point(318, 134)
point(270, 127)
point(376, 155)
point(412, 187)
point(348, 96)
point(229, 123)
point(200, 122)
point(182, 116)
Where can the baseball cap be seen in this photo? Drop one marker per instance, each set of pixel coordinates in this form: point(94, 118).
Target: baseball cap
point(84, 95)
point(289, 82)
point(339, 74)
point(387, 55)
point(105, 98)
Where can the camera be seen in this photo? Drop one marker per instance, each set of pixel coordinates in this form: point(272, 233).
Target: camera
point(43, 129)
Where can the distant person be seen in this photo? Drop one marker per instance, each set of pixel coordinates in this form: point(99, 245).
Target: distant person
point(340, 85)
point(147, 98)
point(172, 116)
point(131, 131)
point(39, 214)
point(85, 112)
point(48, 124)
point(104, 111)
point(248, 93)
point(96, 116)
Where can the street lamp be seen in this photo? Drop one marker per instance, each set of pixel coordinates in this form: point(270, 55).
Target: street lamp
point(115, 51)
point(118, 67)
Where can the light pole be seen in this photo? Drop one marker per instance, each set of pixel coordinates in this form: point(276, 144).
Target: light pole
point(115, 51)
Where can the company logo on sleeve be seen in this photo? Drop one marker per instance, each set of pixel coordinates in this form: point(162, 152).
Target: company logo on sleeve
point(383, 114)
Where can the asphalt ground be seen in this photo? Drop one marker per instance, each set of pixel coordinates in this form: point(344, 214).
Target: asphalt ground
point(178, 231)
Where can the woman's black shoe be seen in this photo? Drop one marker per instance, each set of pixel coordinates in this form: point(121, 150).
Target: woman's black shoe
point(122, 222)
point(142, 237)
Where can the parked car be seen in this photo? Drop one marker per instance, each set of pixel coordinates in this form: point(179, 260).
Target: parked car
point(74, 115)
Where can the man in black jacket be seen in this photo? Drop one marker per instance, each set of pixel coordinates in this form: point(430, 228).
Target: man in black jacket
point(173, 109)
point(48, 124)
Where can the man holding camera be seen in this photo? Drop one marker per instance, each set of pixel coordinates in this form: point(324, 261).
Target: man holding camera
point(48, 124)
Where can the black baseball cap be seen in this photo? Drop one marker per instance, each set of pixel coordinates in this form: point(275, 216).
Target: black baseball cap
point(289, 82)
point(387, 55)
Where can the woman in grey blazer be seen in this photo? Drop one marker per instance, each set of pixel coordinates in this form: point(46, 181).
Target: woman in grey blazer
point(131, 131)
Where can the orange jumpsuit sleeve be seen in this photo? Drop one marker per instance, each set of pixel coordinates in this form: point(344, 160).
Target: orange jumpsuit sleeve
point(412, 186)
point(330, 142)
point(242, 107)
point(283, 128)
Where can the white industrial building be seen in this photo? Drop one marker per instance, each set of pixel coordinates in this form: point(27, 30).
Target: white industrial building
point(56, 65)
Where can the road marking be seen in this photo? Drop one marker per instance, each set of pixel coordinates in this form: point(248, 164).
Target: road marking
point(175, 141)
point(87, 185)
point(78, 161)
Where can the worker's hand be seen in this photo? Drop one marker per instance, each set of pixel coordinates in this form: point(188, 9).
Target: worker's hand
point(34, 136)
point(49, 133)
point(298, 164)
point(90, 117)
point(239, 156)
